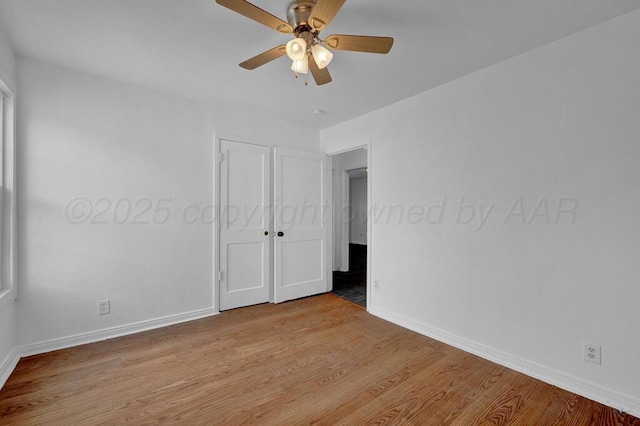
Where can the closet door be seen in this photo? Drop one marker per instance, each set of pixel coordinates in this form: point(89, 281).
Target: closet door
point(244, 218)
point(301, 223)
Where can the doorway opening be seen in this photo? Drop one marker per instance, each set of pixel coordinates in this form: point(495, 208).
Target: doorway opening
point(350, 239)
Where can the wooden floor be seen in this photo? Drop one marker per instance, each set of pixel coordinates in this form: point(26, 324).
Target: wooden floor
point(320, 360)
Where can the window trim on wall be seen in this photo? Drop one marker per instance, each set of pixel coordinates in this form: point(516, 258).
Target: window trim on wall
point(8, 224)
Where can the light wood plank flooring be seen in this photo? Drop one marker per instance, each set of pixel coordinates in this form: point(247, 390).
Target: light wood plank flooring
point(320, 360)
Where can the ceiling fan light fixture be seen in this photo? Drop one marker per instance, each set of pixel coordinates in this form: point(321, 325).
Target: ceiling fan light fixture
point(297, 49)
point(305, 20)
point(322, 55)
point(301, 66)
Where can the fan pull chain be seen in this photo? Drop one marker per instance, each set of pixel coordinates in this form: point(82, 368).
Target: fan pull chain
point(306, 82)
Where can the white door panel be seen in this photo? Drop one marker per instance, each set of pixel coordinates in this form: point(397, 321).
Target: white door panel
point(244, 217)
point(301, 211)
point(306, 262)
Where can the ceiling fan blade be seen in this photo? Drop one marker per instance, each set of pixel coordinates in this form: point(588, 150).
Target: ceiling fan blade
point(321, 76)
point(357, 43)
point(254, 12)
point(264, 57)
point(323, 13)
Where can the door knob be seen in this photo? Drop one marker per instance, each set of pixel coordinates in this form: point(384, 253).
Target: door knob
point(266, 232)
point(280, 234)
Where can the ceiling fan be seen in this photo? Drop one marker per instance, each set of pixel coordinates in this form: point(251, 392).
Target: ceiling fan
point(306, 18)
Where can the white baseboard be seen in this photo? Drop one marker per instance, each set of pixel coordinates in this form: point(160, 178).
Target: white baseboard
point(8, 365)
point(110, 333)
point(601, 394)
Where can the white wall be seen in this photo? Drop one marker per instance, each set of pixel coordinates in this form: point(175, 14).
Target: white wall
point(103, 141)
point(7, 311)
point(358, 211)
point(7, 61)
point(350, 160)
point(558, 121)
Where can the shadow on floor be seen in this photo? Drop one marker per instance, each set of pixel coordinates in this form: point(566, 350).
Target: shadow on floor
point(352, 285)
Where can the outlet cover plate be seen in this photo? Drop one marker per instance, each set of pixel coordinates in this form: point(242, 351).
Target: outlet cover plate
point(593, 353)
point(104, 307)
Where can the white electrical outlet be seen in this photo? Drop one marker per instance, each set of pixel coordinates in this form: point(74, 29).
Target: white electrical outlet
point(376, 285)
point(104, 307)
point(593, 353)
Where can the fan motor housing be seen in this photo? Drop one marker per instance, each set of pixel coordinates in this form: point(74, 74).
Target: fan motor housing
point(298, 12)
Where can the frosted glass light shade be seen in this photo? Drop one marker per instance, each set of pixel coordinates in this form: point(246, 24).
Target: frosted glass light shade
point(301, 66)
point(296, 49)
point(322, 55)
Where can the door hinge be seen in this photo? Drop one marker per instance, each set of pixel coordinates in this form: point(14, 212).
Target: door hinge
point(221, 157)
point(219, 275)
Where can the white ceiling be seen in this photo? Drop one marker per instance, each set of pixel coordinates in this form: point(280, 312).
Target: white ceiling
point(193, 47)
